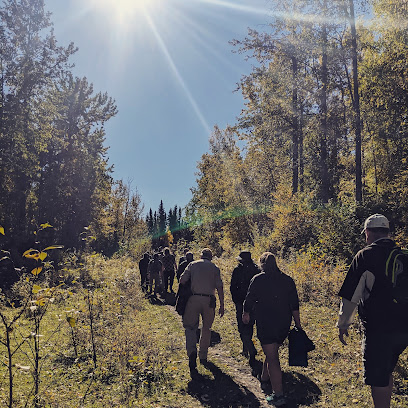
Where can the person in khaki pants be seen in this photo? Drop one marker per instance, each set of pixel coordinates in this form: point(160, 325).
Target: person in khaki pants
point(205, 280)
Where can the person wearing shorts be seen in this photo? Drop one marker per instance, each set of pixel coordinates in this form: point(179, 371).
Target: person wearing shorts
point(273, 300)
point(385, 326)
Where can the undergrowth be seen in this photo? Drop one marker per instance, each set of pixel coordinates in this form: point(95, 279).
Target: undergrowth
point(136, 355)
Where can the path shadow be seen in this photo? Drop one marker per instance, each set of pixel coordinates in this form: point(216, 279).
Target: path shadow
point(162, 299)
point(155, 300)
point(169, 298)
point(300, 390)
point(215, 337)
point(221, 391)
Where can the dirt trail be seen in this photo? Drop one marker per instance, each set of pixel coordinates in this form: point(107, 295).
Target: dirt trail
point(232, 385)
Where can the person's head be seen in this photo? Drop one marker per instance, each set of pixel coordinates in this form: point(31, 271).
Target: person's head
point(375, 227)
point(156, 256)
point(189, 256)
point(146, 255)
point(244, 257)
point(206, 253)
point(267, 262)
point(185, 251)
point(166, 251)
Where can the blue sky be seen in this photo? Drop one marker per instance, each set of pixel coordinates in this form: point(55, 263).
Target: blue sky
point(169, 66)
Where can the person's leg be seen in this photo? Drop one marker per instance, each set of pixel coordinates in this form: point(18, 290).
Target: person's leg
point(382, 395)
point(156, 281)
point(240, 324)
point(246, 332)
point(171, 279)
point(208, 315)
point(273, 368)
point(166, 281)
point(190, 323)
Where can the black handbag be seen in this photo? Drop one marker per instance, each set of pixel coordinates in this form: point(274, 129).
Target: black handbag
point(183, 294)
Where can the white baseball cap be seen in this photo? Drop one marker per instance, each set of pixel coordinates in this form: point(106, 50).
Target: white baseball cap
point(376, 221)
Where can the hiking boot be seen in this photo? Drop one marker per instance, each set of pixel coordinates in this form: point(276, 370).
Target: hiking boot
point(277, 401)
point(192, 360)
point(194, 373)
point(266, 386)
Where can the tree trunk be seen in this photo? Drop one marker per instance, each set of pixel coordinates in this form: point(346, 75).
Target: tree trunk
point(295, 128)
point(324, 174)
point(357, 118)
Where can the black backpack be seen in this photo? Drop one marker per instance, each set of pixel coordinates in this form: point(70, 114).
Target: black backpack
point(396, 270)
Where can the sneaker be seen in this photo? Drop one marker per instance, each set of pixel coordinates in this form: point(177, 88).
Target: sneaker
point(277, 401)
point(266, 386)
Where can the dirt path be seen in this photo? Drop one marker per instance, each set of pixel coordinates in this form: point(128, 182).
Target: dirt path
point(225, 382)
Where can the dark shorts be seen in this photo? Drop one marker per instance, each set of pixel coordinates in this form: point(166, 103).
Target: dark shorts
point(380, 356)
point(269, 335)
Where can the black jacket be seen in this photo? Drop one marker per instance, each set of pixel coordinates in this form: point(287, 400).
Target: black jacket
point(240, 280)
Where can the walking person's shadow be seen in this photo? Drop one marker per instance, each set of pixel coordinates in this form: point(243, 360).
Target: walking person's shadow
point(221, 391)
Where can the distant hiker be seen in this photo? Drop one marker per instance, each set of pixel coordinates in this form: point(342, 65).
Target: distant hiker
point(143, 269)
point(272, 298)
point(169, 266)
point(183, 258)
point(240, 280)
point(155, 275)
point(183, 265)
point(8, 274)
point(384, 318)
point(205, 280)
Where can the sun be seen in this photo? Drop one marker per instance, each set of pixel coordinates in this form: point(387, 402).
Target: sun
point(124, 10)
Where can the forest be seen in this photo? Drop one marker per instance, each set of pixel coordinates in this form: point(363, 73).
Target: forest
point(320, 145)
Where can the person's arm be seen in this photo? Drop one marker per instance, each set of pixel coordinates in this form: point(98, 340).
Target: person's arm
point(233, 285)
point(294, 304)
point(220, 291)
point(246, 317)
point(249, 302)
point(296, 318)
point(346, 316)
point(185, 276)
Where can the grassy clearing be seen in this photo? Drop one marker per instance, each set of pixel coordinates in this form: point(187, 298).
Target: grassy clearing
point(140, 355)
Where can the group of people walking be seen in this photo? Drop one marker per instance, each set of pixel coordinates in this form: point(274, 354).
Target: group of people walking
point(157, 271)
point(262, 294)
point(376, 284)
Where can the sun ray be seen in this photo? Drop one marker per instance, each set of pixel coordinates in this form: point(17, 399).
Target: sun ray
point(176, 73)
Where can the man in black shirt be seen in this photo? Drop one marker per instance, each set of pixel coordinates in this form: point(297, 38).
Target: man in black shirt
point(143, 267)
point(240, 280)
point(183, 265)
point(385, 324)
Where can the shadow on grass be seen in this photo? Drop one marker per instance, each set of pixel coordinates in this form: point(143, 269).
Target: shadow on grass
point(301, 390)
point(215, 337)
point(221, 391)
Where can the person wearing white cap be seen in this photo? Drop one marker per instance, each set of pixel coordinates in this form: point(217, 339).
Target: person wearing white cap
point(385, 325)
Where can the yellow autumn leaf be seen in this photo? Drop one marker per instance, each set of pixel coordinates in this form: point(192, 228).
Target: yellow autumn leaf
point(71, 321)
point(53, 247)
point(42, 255)
point(2, 230)
point(31, 253)
point(40, 302)
point(46, 225)
point(36, 289)
point(36, 271)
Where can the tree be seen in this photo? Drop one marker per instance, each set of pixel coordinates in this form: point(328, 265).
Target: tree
point(30, 61)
